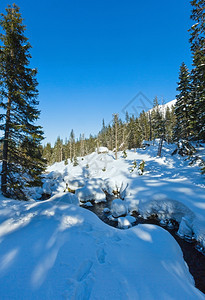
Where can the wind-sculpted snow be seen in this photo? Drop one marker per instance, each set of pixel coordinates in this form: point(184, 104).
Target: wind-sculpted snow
point(56, 250)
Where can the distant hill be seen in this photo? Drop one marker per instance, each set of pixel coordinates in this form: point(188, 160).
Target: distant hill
point(163, 107)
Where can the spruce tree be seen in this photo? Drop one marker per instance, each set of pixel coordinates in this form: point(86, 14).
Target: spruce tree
point(22, 158)
point(57, 155)
point(158, 121)
point(47, 153)
point(183, 105)
point(197, 41)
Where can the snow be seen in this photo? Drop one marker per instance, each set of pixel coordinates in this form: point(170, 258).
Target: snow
point(185, 230)
point(55, 250)
point(90, 192)
point(126, 222)
point(118, 208)
point(162, 107)
point(169, 187)
point(102, 150)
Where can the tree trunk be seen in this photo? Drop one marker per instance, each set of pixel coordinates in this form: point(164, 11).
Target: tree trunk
point(160, 147)
point(5, 150)
point(70, 151)
point(150, 127)
point(116, 142)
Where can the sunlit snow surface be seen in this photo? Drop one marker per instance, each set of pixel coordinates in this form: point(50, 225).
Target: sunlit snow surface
point(169, 187)
point(54, 250)
point(57, 250)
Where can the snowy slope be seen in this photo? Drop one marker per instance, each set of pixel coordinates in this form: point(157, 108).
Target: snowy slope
point(53, 250)
point(163, 107)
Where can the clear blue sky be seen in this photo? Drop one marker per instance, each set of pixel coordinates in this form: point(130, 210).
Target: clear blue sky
point(94, 56)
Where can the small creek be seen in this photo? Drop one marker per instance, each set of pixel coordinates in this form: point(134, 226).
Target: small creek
point(194, 259)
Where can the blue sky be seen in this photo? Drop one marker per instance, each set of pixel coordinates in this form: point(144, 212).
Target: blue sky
point(94, 56)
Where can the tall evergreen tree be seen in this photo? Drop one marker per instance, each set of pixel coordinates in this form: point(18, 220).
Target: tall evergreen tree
point(197, 41)
point(22, 160)
point(158, 121)
point(72, 145)
point(47, 153)
point(57, 153)
point(183, 105)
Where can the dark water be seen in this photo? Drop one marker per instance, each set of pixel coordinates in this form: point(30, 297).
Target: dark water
point(194, 259)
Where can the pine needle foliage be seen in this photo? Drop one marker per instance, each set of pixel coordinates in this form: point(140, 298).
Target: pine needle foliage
point(22, 157)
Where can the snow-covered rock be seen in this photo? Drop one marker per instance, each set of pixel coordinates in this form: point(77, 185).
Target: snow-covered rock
point(185, 230)
point(89, 193)
point(118, 208)
point(102, 150)
point(126, 222)
point(88, 204)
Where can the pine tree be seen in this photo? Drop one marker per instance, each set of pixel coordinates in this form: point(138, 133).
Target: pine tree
point(47, 153)
point(116, 126)
point(158, 121)
point(183, 105)
point(57, 155)
point(169, 124)
point(22, 160)
point(197, 41)
point(72, 145)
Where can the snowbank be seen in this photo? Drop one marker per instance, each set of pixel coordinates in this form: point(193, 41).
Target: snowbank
point(89, 193)
point(118, 208)
point(55, 250)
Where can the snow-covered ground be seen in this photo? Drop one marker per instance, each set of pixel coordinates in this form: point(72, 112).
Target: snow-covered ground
point(170, 187)
point(55, 249)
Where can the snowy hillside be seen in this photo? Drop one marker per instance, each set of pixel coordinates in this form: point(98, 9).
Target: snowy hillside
point(55, 249)
point(163, 107)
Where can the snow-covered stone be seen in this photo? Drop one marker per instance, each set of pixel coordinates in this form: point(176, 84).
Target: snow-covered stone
point(88, 204)
point(102, 150)
point(85, 193)
point(126, 222)
point(99, 195)
point(90, 192)
point(185, 230)
point(118, 208)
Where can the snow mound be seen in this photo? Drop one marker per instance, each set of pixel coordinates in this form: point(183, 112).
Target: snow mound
point(126, 222)
point(165, 209)
point(118, 208)
point(89, 193)
point(102, 150)
point(66, 197)
point(75, 183)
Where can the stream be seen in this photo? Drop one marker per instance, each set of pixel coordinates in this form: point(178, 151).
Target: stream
point(194, 259)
